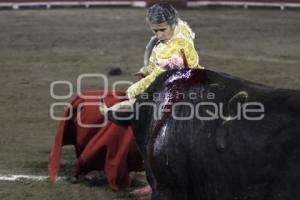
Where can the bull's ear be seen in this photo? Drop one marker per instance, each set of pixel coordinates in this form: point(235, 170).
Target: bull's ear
point(122, 118)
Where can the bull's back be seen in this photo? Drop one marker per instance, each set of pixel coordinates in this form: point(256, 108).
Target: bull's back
point(227, 158)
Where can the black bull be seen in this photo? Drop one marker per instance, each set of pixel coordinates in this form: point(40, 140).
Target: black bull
point(215, 150)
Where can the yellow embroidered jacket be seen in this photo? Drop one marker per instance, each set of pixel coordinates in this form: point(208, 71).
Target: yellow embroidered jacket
point(183, 38)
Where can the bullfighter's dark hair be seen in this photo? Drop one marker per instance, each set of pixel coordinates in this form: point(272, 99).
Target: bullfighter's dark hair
point(162, 12)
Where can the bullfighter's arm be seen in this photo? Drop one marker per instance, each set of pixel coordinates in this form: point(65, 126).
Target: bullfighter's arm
point(140, 86)
point(187, 45)
point(173, 47)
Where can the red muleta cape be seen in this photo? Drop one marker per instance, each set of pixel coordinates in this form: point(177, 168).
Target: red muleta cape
point(110, 148)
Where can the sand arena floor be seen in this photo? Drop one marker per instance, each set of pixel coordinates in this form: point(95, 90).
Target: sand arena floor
point(38, 47)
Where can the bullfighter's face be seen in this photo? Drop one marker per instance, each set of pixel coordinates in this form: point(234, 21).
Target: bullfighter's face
point(163, 31)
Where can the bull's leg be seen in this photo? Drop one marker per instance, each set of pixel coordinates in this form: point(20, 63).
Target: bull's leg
point(167, 184)
point(168, 178)
point(160, 193)
point(150, 176)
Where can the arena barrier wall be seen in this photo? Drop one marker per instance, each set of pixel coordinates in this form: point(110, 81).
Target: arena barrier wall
point(17, 4)
point(282, 4)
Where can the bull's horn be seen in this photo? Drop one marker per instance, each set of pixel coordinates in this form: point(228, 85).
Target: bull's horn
point(102, 107)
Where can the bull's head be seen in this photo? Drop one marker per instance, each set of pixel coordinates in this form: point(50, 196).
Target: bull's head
point(118, 115)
